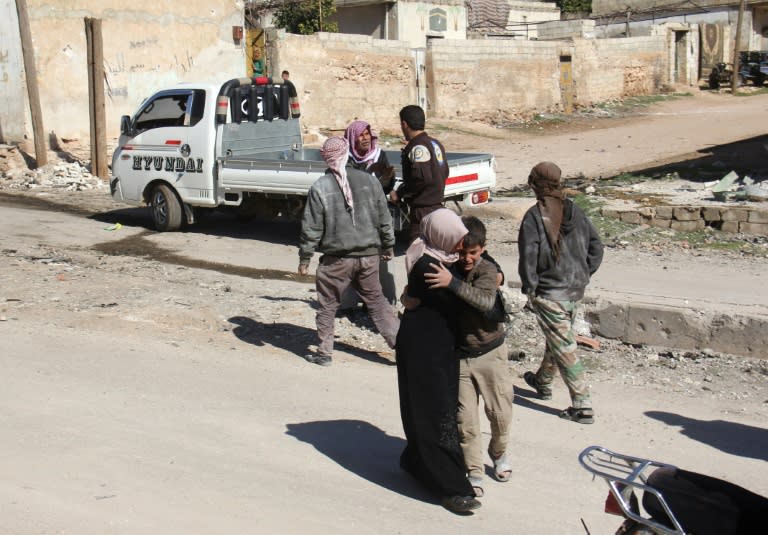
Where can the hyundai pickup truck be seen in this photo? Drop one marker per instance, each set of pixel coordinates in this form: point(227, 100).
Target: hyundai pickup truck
point(196, 147)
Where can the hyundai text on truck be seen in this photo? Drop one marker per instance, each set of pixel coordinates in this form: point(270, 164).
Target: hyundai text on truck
point(196, 147)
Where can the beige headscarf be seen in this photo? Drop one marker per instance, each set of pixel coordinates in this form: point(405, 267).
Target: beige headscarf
point(335, 152)
point(545, 182)
point(440, 230)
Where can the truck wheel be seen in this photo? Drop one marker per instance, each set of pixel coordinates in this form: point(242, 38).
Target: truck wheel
point(166, 209)
point(758, 80)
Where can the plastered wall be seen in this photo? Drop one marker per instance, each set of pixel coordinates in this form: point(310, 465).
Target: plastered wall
point(146, 46)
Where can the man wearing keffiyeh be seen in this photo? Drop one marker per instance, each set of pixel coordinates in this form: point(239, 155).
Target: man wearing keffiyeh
point(559, 251)
point(366, 155)
point(347, 220)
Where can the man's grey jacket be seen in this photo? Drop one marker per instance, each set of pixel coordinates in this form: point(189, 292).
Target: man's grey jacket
point(327, 226)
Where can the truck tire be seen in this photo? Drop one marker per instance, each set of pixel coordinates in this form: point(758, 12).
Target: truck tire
point(166, 209)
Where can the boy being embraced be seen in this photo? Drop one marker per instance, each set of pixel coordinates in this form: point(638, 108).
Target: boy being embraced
point(484, 370)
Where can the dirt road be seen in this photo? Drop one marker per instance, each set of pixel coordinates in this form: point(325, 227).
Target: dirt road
point(154, 394)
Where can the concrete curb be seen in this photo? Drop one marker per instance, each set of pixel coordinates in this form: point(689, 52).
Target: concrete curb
point(678, 328)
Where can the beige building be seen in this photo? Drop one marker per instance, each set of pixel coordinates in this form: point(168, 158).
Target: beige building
point(403, 20)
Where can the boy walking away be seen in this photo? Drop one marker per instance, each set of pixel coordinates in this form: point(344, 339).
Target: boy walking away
point(483, 367)
point(559, 251)
point(346, 218)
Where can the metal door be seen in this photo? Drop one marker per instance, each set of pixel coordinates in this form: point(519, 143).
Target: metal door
point(566, 84)
point(419, 58)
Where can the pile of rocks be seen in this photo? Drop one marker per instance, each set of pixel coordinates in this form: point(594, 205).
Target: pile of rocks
point(62, 175)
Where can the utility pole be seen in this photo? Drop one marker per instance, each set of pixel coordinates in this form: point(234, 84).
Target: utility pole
point(96, 104)
point(33, 93)
point(736, 42)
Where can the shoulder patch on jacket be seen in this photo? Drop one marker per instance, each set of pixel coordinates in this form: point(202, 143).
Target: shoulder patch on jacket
point(419, 154)
point(438, 152)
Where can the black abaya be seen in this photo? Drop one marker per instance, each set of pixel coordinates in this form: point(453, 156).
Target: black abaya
point(428, 379)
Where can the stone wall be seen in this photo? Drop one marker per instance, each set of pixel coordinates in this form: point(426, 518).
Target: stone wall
point(613, 68)
point(478, 78)
point(743, 220)
point(340, 77)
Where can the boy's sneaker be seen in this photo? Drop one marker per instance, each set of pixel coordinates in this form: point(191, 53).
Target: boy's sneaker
point(321, 360)
point(544, 392)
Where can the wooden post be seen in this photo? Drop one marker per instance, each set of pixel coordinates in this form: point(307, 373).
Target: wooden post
point(95, 45)
point(736, 42)
point(28, 51)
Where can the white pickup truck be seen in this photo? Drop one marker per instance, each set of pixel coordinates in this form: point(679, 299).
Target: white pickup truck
point(196, 146)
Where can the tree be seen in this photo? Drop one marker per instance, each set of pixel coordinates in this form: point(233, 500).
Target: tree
point(574, 6)
point(306, 16)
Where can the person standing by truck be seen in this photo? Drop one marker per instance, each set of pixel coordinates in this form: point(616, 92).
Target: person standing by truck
point(559, 251)
point(346, 219)
point(425, 170)
point(366, 155)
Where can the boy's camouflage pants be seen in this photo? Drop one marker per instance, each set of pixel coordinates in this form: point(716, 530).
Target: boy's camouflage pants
point(556, 319)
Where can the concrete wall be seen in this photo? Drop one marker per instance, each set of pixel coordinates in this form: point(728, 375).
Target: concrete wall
point(486, 78)
point(483, 79)
point(611, 68)
point(566, 29)
point(146, 46)
point(365, 20)
point(340, 78)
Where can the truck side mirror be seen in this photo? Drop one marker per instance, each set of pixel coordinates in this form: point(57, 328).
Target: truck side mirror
point(125, 126)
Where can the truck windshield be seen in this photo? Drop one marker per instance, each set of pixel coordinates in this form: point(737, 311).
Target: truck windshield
point(171, 109)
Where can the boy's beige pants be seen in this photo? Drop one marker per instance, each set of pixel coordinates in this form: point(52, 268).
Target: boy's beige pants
point(488, 376)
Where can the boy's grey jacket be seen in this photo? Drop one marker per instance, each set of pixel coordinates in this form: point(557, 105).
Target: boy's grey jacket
point(581, 253)
point(327, 225)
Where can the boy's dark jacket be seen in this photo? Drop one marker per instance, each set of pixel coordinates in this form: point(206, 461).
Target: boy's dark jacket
point(481, 326)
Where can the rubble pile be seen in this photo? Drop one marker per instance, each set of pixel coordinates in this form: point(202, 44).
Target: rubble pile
point(66, 176)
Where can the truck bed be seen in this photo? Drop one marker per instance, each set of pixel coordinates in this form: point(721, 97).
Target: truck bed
point(293, 172)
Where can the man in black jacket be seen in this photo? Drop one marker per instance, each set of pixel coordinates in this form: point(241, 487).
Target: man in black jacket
point(559, 251)
point(425, 170)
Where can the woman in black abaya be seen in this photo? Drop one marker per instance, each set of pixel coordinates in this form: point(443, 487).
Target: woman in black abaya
point(428, 370)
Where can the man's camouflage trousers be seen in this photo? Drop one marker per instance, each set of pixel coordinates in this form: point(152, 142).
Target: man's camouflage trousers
point(556, 319)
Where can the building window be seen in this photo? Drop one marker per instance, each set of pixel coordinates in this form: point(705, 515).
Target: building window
point(438, 20)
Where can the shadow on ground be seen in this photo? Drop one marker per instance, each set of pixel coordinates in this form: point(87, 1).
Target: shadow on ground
point(364, 450)
point(730, 437)
point(746, 157)
point(293, 338)
point(523, 399)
